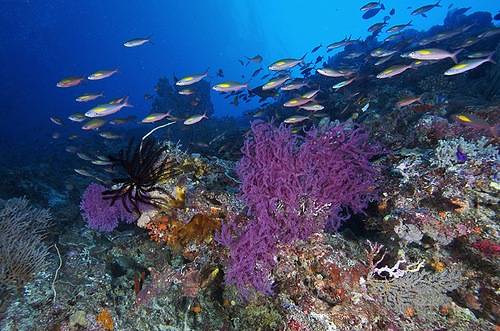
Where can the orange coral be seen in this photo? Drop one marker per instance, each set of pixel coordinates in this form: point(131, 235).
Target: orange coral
point(105, 319)
point(178, 235)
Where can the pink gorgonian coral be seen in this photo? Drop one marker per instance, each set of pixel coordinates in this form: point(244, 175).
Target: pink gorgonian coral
point(99, 214)
point(295, 186)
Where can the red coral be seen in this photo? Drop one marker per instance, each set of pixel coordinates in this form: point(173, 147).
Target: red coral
point(487, 247)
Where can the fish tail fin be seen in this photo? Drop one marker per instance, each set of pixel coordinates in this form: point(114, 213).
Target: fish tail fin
point(126, 103)
point(438, 4)
point(382, 6)
point(410, 23)
point(303, 57)
point(490, 59)
point(454, 55)
point(424, 15)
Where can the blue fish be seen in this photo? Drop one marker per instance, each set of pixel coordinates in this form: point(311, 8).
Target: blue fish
point(372, 12)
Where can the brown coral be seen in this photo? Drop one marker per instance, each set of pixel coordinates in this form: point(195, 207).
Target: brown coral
point(105, 319)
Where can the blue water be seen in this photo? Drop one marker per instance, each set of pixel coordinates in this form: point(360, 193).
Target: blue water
point(42, 42)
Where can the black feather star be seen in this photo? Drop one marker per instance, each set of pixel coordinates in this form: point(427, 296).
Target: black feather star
point(145, 165)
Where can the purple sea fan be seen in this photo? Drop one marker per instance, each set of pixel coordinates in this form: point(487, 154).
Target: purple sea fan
point(98, 213)
point(293, 186)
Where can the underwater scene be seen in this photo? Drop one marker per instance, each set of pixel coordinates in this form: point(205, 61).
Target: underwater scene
point(249, 165)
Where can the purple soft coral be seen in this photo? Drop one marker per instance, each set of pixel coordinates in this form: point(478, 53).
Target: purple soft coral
point(294, 187)
point(98, 213)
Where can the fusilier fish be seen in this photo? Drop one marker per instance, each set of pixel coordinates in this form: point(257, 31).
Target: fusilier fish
point(109, 135)
point(186, 91)
point(188, 80)
point(381, 52)
point(424, 9)
point(433, 54)
point(334, 73)
point(295, 85)
point(154, 117)
point(93, 124)
point(77, 117)
point(467, 65)
point(285, 64)
point(56, 120)
point(343, 84)
point(310, 94)
point(275, 82)
point(407, 101)
point(195, 119)
point(136, 42)
point(70, 81)
point(370, 5)
point(295, 119)
point(398, 28)
point(229, 86)
point(83, 172)
point(312, 106)
point(88, 97)
point(394, 71)
point(296, 102)
point(107, 109)
point(101, 74)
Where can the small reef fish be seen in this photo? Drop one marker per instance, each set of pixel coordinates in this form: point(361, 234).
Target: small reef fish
point(312, 106)
point(473, 121)
point(295, 119)
point(83, 172)
point(56, 135)
point(369, 5)
point(70, 82)
point(254, 59)
point(296, 102)
point(83, 156)
point(189, 80)
point(424, 9)
point(377, 27)
point(186, 91)
point(380, 52)
point(384, 60)
point(229, 86)
point(93, 124)
point(342, 43)
point(372, 12)
point(120, 121)
point(489, 33)
point(398, 28)
point(275, 82)
point(109, 135)
point(195, 119)
point(343, 84)
point(310, 94)
point(334, 73)
point(394, 71)
point(285, 64)
point(136, 42)
point(433, 54)
point(107, 109)
point(56, 120)
point(154, 117)
point(77, 117)
point(315, 49)
point(295, 85)
point(467, 65)
point(101, 162)
point(71, 149)
point(407, 101)
point(88, 97)
point(101, 74)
